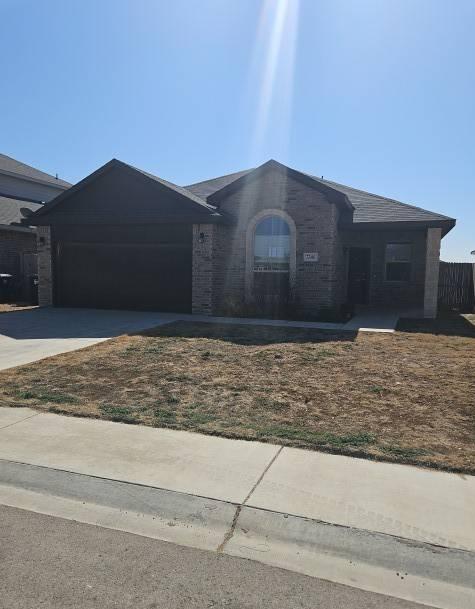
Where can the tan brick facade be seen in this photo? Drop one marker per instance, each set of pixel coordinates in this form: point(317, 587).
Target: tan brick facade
point(431, 284)
point(204, 262)
point(316, 284)
point(221, 259)
point(45, 267)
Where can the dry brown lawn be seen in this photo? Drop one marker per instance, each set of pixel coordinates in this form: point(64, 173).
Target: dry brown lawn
point(8, 307)
point(407, 397)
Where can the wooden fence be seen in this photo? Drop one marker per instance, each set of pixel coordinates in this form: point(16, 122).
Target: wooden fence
point(456, 288)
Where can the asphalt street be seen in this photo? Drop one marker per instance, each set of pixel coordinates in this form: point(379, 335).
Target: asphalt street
point(51, 563)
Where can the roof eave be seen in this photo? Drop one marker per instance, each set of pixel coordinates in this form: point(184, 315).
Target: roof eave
point(445, 224)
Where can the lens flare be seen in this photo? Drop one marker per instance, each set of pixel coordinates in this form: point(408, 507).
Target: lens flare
point(273, 74)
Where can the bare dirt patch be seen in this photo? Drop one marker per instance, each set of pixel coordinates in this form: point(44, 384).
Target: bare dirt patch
point(406, 397)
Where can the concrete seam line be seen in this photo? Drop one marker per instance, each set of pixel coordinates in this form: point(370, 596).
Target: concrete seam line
point(232, 528)
point(266, 469)
point(20, 421)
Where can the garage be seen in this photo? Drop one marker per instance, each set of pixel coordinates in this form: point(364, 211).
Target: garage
point(121, 239)
point(125, 274)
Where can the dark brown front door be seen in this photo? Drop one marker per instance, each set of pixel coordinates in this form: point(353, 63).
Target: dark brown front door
point(271, 293)
point(359, 272)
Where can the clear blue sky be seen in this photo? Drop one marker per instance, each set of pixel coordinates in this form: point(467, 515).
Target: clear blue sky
point(377, 94)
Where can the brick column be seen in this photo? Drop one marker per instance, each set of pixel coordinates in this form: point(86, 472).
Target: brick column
point(431, 284)
point(204, 236)
point(45, 267)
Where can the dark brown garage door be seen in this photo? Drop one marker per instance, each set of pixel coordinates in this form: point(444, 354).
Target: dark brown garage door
point(153, 277)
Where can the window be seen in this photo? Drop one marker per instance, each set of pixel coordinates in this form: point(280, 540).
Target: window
point(272, 245)
point(398, 262)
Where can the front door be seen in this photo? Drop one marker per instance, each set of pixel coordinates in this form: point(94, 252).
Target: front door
point(359, 271)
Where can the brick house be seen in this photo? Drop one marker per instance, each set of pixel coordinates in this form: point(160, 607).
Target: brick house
point(270, 240)
point(23, 190)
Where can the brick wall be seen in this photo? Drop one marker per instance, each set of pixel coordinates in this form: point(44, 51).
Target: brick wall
point(13, 244)
point(45, 267)
point(204, 254)
point(317, 285)
point(18, 258)
point(431, 283)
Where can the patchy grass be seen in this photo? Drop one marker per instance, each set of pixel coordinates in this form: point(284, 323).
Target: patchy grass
point(405, 397)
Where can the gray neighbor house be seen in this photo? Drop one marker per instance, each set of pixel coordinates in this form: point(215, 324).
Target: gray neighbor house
point(267, 241)
point(23, 190)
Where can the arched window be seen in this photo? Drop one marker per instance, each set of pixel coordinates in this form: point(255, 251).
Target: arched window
point(272, 245)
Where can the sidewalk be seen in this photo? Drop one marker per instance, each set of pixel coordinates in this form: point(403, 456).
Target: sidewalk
point(242, 496)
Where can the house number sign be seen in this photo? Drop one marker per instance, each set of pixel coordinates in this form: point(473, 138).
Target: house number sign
point(310, 257)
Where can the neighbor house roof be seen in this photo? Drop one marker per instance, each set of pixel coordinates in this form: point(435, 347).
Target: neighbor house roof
point(11, 212)
point(17, 168)
point(368, 207)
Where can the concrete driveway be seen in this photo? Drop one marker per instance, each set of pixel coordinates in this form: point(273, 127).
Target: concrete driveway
point(27, 336)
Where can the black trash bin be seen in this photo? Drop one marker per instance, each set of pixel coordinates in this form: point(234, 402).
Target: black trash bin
point(7, 287)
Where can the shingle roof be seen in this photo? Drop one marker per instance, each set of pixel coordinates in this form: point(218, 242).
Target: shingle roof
point(22, 169)
point(368, 207)
point(208, 187)
point(189, 194)
point(10, 209)
point(376, 208)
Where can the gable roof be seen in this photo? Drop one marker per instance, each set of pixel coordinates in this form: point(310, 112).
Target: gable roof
point(197, 207)
point(245, 178)
point(11, 211)
point(368, 207)
point(12, 166)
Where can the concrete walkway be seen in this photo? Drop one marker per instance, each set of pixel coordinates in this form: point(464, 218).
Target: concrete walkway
point(334, 517)
point(31, 335)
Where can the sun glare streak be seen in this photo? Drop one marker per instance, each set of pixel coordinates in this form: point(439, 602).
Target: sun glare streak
point(274, 68)
point(269, 98)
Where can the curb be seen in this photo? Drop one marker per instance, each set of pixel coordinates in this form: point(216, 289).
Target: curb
point(418, 572)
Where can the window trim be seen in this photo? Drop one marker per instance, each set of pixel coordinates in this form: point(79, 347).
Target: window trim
point(410, 261)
